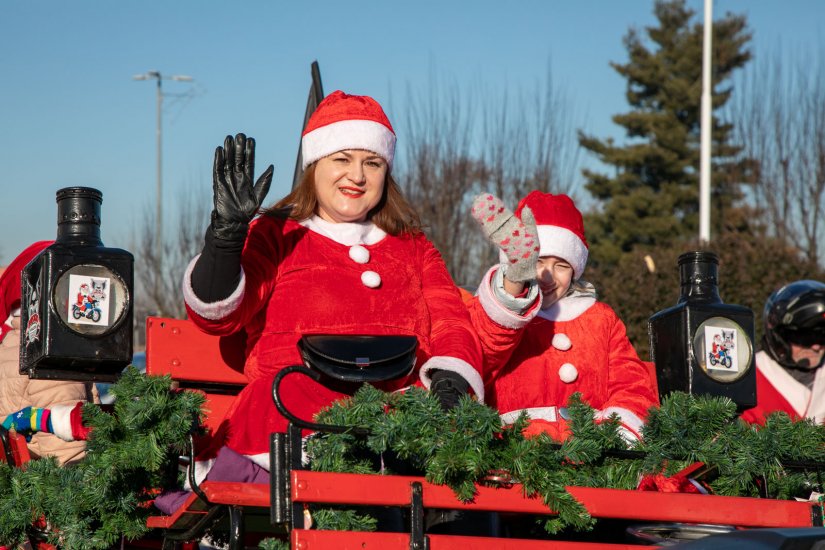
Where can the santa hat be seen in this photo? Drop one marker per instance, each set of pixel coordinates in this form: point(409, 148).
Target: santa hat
point(10, 284)
point(559, 226)
point(343, 121)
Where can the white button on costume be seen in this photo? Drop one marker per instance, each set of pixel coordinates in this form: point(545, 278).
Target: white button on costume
point(359, 254)
point(568, 373)
point(371, 279)
point(561, 342)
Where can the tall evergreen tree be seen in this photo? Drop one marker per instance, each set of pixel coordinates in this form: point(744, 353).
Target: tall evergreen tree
point(652, 199)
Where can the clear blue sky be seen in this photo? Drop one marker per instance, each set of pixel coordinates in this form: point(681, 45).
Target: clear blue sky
point(70, 113)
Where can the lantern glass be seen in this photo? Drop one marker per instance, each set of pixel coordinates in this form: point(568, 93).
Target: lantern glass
point(722, 349)
point(90, 299)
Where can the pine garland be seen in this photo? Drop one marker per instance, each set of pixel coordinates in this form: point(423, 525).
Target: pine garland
point(105, 497)
point(463, 446)
point(96, 501)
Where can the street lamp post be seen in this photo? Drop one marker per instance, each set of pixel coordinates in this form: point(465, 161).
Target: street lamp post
point(706, 119)
point(159, 133)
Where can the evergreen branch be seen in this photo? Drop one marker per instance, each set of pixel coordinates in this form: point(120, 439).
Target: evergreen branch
point(104, 497)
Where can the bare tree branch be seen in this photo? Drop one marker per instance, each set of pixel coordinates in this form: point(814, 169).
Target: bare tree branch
point(780, 119)
point(520, 144)
point(158, 280)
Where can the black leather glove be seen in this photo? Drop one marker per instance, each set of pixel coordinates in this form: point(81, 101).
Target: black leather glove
point(448, 387)
point(236, 200)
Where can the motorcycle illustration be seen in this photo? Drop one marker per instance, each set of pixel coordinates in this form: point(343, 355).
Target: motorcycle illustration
point(88, 310)
point(720, 358)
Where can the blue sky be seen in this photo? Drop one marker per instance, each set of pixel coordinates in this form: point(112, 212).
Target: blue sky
point(72, 115)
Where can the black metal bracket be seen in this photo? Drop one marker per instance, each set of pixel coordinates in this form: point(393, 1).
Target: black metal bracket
point(278, 479)
point(817, 518)
point(191, 472)
point(294, 461)
point(236, 528)
point(418, 540)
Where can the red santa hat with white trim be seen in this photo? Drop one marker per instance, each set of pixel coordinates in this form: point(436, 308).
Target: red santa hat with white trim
point(342, 121)
point(560, 228)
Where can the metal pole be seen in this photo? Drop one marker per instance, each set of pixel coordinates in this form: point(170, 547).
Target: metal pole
point(704, 163)
point(159, 131)
point(159, 210)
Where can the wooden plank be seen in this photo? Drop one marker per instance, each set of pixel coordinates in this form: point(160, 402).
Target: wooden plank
point(179, 348)
point(182, 518)
point(240, 494)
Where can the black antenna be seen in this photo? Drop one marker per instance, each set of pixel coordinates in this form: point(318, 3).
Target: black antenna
point(316, 94)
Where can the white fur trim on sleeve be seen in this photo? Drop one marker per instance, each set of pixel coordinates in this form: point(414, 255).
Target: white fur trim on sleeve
point(61, 417)
point(458, 366)
point(549, 414)
point(631, 428)
point(495, 310)
point(214, 310)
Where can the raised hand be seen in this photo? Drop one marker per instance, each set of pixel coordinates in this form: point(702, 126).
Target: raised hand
point(516, 238)
point(236, 199)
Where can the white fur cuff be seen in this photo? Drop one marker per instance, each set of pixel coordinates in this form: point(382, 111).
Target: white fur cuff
point(458, 366)
point(61, 417)
point(214, 310)
point(631, 428)
point(497, 311)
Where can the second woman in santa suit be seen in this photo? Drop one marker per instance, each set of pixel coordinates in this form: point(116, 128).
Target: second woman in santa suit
point(544, 334)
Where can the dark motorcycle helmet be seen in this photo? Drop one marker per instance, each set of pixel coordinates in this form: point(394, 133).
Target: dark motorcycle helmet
point(794, 314)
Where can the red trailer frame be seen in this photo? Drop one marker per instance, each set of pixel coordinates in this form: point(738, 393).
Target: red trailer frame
point(211, 364)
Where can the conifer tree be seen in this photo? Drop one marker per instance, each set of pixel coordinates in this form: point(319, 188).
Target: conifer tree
point(652, 197)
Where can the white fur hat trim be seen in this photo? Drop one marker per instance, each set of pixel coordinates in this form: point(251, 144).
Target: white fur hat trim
point(366, 135)
point(359, 254)
point(371, 279)
point(561, 342)
point(563, 243)
point(568, 373)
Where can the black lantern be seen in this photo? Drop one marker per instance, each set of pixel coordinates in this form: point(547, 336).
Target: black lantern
point(76, 307)
point(702, 345)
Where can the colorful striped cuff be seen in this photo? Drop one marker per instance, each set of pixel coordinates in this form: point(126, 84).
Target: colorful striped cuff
point(40, 420)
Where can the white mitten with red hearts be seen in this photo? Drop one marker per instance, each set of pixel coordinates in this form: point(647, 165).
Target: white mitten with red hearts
point(516, 238)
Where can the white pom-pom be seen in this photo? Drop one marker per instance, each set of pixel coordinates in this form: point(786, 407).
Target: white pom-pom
point(561, 341)
point(568, 373)
point(371, 279)
point(359, 254)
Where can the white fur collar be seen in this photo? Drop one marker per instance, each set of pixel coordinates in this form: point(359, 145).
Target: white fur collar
point(568, 308)
point(348, 234)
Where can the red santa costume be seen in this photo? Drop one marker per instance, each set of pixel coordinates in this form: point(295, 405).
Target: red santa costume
point(777, 390)
point(316, 276)
point(535, 359)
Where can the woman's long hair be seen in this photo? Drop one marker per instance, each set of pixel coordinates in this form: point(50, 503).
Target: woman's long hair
point(393, 213)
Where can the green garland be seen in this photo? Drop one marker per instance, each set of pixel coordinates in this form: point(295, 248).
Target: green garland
point(95, 502)
point(461, 447)
point(106, 496)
